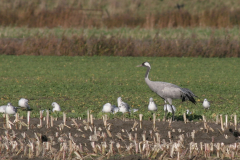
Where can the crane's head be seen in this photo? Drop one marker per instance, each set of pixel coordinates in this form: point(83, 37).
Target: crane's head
point(144, 64)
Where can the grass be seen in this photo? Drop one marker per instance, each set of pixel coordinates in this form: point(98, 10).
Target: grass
point(136, 33)
point(192, 42)
point(112, 14)
point(81, 83)
point(113, 7)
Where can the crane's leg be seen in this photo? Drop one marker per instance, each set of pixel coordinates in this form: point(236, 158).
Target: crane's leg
point(165, 115)
point(172, 113)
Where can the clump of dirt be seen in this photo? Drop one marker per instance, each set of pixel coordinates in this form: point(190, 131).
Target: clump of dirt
point(116, 139)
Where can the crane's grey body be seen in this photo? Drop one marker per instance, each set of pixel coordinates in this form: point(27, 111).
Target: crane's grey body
point(167, 91)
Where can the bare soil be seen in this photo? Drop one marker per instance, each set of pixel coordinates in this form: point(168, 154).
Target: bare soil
point(130, 131)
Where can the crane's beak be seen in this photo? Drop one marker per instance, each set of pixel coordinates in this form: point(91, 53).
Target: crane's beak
point(139, 65)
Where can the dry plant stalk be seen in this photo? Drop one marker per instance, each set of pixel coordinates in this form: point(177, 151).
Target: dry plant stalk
point(169, 135)
point(201, 147)
point(28, 119)
point(47, 119)
point(226, 121)
point(7, 121)
point(144, 136)
point(203, 117)
point(40, 118)
point(235, 121)
point(140, 119)
point(158, 137)
point(135, 136)
point(91, 119)
point(75, 123)
point(218, 150)
point(104, 121)
point(109, 133)
point(88, 116)
point(205, 123)
point(134, 125)
point(217, 119)
point(51, 119)
point(170, 122)
point(16, 120)
point(184, 117)
point(193, 135)
point(104, 146)
point(154, 120)
point(94, 147)
point(221, 121)
point(119, 148)
point(64, 118)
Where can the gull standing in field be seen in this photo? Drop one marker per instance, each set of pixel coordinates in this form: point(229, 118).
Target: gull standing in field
point(206, 104)
point(133, 110)
point(188, 111)
point(10, 109)
point(123, 107)
point(23, 103)
point(3, 109)
point(115, 109)
point(56, 107)
point(107, 108)
point(152, 105)
point(168, 108)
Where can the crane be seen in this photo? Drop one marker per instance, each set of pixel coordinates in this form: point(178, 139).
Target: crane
point(168, 91)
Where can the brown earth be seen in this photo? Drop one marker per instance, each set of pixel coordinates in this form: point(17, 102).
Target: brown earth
point(126, 133)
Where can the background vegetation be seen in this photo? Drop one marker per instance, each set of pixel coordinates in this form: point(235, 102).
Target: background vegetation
point(81, 83)
point(121, 42)
point(191, 28)
point(113, 13)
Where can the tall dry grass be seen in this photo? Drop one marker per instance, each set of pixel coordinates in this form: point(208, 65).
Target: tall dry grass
point(110, 14)
point(113, 46)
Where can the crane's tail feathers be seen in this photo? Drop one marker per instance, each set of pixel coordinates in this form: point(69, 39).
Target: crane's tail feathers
point(190, 98)
point(188, 95)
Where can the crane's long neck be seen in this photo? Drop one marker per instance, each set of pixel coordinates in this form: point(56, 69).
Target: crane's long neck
point(147, 80)
point(147, 73)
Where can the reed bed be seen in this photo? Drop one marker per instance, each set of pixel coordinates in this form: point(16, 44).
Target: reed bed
point(111, 14)
point(69, 138)
point(79, 45)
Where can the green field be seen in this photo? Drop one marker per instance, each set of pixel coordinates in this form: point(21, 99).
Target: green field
point(81, 83)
